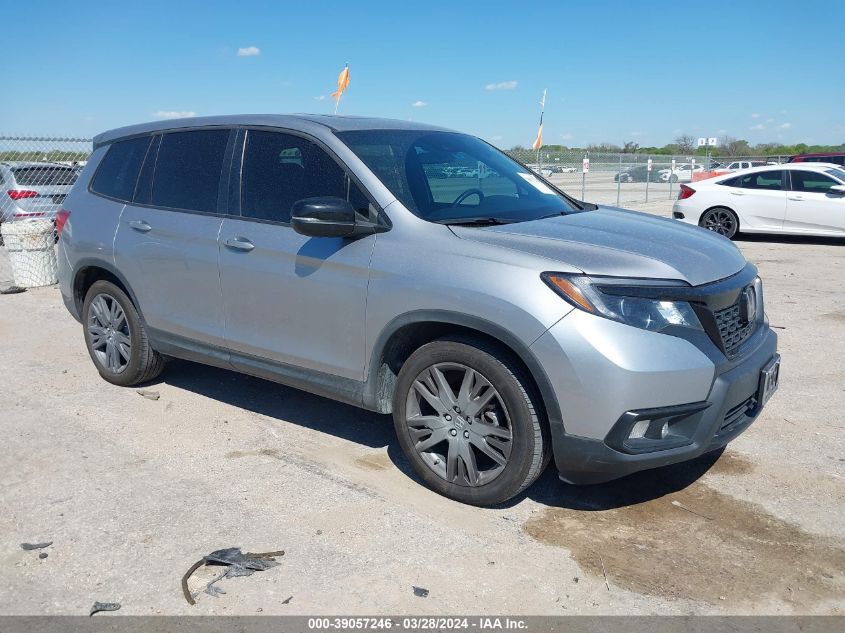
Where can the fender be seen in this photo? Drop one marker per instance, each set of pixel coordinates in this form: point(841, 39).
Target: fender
point(93, 262)
point(371, 386)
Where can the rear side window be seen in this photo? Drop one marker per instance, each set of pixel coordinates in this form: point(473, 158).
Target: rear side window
point(118, 172)
point(44, 176)
point(187, 174)
point(772, 180)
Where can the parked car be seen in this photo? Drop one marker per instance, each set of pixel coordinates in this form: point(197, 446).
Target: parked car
point(744, 164)
point(637, 173)
point(682, 173)
point(33, 190)
point(837, 158)
point(501, 327)
point(794, 198)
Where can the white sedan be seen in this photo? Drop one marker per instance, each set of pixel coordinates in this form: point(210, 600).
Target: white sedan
point(794, 198)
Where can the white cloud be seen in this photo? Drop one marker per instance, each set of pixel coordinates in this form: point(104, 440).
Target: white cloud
point(770, 121)
point(320, 98)
point(759, 126)
point(419, 104)
point(174, 114)
point(566, 136)
point(636, 133)
point(785, 126)
point(755, 115)
point(502, 85)
point(249, 51)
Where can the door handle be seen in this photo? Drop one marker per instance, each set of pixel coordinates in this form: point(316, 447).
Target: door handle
point(239, 243)
point(737, 193)
point(140, 225)
point(796, 198)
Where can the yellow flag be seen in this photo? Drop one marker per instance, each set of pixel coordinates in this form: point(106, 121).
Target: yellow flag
point(538, 142)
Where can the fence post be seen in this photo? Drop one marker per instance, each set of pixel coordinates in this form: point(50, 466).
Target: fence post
point(584, 179)
point(647, 179)
point(619, 181)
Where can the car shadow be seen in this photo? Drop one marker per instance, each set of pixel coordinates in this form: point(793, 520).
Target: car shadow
point(811, 240)
point(282, 403)
point(640, 487)
point(374, 431)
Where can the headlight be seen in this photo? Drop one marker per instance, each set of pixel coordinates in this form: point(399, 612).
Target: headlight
point(648, 314)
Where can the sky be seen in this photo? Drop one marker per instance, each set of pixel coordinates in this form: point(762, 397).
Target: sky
point(615, 71)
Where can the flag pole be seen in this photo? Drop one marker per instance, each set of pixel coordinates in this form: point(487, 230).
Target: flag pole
point(539, 141)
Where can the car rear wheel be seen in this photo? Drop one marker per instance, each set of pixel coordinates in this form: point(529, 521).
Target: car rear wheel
point(467, 423)
point(720, 220)
point(115, 336)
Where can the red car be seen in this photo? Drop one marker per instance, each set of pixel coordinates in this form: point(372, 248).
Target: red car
point(833, 157)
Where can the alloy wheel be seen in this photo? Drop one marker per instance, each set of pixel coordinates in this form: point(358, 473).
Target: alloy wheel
point(719, 221)
point(108, 331)
point(458, 424)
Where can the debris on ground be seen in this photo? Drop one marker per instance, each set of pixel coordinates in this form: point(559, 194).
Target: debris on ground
point(149, 395)
point(104, 606)
point(31, 546)
point(421, 592)
point(288, 600)
point(680, 505)
point(12, 290)
point(237, 563)
point(42, 555)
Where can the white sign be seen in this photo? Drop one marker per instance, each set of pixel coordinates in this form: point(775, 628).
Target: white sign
point(586, 165)
point(692, 163)
point(482, 170)
point(649, 165)
point(702, 142)
point(673, 164)
point(712, 141)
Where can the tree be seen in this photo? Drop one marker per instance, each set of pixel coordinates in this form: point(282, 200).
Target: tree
point(685, 144)
point(630, 147)
point(734, 147)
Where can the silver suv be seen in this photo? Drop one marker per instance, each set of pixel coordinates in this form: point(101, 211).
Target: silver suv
point(413, 270)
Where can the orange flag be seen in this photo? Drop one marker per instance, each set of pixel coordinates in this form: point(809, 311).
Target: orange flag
point(342, 83)
point(538, 142)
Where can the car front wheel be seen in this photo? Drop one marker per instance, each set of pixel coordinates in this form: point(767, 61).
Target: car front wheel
point(467, 422)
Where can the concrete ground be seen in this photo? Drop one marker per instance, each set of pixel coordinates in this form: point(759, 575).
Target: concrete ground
point(131, 491)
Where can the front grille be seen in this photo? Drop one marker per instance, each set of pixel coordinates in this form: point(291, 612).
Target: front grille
point(732, 330)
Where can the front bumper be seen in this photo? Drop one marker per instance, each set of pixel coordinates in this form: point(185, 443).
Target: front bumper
point(729, 408)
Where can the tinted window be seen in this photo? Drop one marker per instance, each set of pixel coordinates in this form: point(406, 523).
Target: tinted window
point(118, 172)
point(187, 174)
point(453, 178)
point(761, 180)
point(811, 182)
point(38, 176)
point(279, 169)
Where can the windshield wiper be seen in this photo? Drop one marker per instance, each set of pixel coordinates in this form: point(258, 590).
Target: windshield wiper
point(475, 222)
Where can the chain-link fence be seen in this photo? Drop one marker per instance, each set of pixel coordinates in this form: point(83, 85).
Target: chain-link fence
point(624, 179)
point(36, 173)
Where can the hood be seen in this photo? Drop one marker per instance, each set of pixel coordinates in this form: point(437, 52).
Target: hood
point(619, 243)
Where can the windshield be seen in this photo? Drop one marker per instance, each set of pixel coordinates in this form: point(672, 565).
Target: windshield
point(452, 178)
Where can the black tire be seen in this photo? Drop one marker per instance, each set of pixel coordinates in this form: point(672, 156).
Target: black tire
point(720, 220)
point(144, 362)
point(529, 443)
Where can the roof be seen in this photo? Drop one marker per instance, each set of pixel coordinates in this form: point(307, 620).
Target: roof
point(301, 122)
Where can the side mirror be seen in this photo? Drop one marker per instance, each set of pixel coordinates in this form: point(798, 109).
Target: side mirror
point(837, 190)
point(323, 217)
